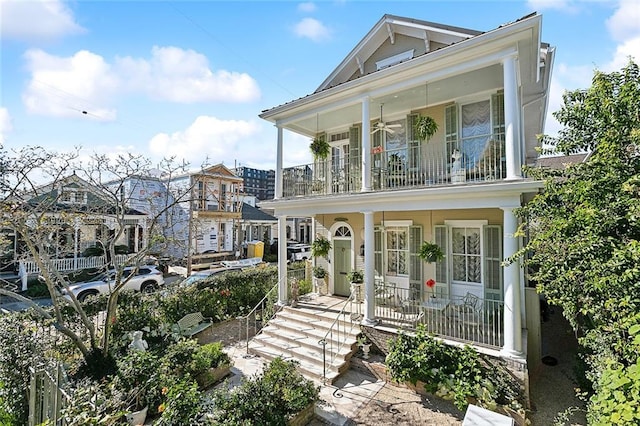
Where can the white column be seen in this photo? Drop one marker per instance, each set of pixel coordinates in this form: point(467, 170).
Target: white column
point(511, 131)
point(279, 151)
point(282, 261)
point(366, 146)
point(369, 269)
point(512, 299)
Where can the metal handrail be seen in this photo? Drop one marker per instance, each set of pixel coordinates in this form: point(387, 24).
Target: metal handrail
point(329, 335)
point(261, 306)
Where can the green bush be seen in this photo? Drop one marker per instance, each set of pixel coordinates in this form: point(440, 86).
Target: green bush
point(220, 297)
point(451, 372)
point(21, 346)
point(184, 404)
point(270, 398)
point(616, 400)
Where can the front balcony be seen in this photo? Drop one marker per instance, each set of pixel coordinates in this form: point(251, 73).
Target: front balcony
point(480, 159)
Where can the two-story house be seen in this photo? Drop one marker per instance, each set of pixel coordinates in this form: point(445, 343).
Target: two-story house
point(385, 187)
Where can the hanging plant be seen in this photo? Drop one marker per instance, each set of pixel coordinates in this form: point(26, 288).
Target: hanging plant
point(430, 252)
point(425, 127)
point(320, 246)
point(320, 148)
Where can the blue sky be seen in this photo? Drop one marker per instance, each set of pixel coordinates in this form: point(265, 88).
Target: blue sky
point(188, 79)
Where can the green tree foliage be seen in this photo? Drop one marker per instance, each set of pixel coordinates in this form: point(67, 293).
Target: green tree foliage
point(583, 228)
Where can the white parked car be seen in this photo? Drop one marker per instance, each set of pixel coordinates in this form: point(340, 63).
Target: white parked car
point(147, 280)
point(298, 252)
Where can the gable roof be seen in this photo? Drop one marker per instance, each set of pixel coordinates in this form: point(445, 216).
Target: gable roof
point(388, 28)
point(251, 213)
point(560, 161)
point(96, 199)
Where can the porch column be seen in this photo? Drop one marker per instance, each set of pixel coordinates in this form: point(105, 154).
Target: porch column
point(512, 300)
point(278, 179)
point(369, 266)
point(136, 238)
point(511, 131)
point(282, 261)
point(366, 146)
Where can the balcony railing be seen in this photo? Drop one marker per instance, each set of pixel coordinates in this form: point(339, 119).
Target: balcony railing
point(480, 159)
point(453, 318)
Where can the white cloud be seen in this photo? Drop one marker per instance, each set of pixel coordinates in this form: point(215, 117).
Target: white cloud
point(562, 5)
point(36, 20)
point(64, 87)
point(312, 29)
point(220, 140)
point(624, 24)
point(629, 48)
point(307, 7)
point(5, 124)
point(184, 76)
point(565, 78)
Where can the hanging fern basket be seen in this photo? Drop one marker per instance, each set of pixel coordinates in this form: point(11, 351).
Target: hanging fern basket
point(430, 252)
point(425, 128)
point(320, 148)
point(320, 246)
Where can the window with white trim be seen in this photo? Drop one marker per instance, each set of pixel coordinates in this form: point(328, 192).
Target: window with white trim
point(397, 251)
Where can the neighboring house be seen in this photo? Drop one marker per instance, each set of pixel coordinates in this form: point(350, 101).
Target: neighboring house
point(215, 209)
point(255, 225)
point(197, 213)
point(81, 216)
point(383, 189)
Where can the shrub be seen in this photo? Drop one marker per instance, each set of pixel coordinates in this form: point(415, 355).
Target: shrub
point(21, 347)
point(451, 372)
point(184, 404)
point(211, 355)
point(270, 398)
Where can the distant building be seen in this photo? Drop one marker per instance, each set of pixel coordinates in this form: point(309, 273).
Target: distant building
point(259, 183)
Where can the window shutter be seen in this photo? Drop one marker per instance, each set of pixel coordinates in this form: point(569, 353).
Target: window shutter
point(442, 272)
point(355, 160)
point(451, 128)
point(415, 262)
point(493, 262)
point(377, 251)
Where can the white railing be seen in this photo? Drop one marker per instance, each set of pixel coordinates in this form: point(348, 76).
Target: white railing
point(72, 264)
point(453, 318)
point(414, 165)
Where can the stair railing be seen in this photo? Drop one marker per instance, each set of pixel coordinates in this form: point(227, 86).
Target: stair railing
point(337, 334)
point(258, 317)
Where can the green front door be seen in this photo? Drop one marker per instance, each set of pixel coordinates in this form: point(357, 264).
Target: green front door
point(341, 267)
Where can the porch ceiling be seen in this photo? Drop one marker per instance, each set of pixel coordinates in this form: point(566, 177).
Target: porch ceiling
point(398, 103)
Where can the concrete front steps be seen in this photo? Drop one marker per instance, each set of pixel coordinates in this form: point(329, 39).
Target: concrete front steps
point(295, 333)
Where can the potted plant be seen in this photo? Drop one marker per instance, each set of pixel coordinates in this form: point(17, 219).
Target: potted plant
point(212, 363)
point(430, 252)
point(365, 344)
point(319, 278)
point(356, 278)
point(320, 246)
point(425, 127)
point(320, 148)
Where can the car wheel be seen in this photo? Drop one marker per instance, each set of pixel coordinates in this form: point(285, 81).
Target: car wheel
point(89, 293)
point(148, 287)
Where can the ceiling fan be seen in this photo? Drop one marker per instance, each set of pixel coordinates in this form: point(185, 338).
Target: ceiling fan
point(381, 125)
